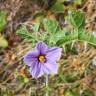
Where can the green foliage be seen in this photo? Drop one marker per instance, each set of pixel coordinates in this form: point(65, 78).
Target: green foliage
point(89, 38)
point(58, 7)
point(3, 20)
point(67, 39)
point(36, 27)
point(77, 20)
point(56, 35)
point(53, 31)
point(23, 32)
point(50, 25)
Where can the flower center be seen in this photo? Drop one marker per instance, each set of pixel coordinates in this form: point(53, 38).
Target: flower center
point(42, 58)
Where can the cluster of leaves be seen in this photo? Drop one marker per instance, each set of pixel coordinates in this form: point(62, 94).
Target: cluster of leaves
point(54, 35)
point(51, 35)
point(77, 19)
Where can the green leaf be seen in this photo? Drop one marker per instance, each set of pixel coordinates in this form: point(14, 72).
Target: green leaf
point(77, 19)
point(23, 32)
point(3, 42)
point(50, 25)
point(3, 20)
point(67, 39)
point(81, 36)
point(88, 38)
point(58, 7)
point(58, 35)
point(36, 27)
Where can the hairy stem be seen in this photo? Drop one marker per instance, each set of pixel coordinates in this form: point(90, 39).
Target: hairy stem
point(46, 84)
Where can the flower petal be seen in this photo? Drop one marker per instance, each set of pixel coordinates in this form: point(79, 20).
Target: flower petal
point(50, 68)
point(37, 71)
point(31, 57)
point(53, 54)
point(42, 48)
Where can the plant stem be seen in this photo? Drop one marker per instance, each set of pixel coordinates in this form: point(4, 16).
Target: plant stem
point(46, 84)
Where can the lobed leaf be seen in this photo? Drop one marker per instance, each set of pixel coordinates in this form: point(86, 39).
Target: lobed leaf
point(77, 19)
point(88, 38)
point(67, 39)
point(50, 25)
point(23, 32)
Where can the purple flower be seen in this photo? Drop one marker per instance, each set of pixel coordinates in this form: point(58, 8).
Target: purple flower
point(42, 60)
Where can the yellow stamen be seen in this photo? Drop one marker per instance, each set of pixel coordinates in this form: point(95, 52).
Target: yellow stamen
point(42, 58)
